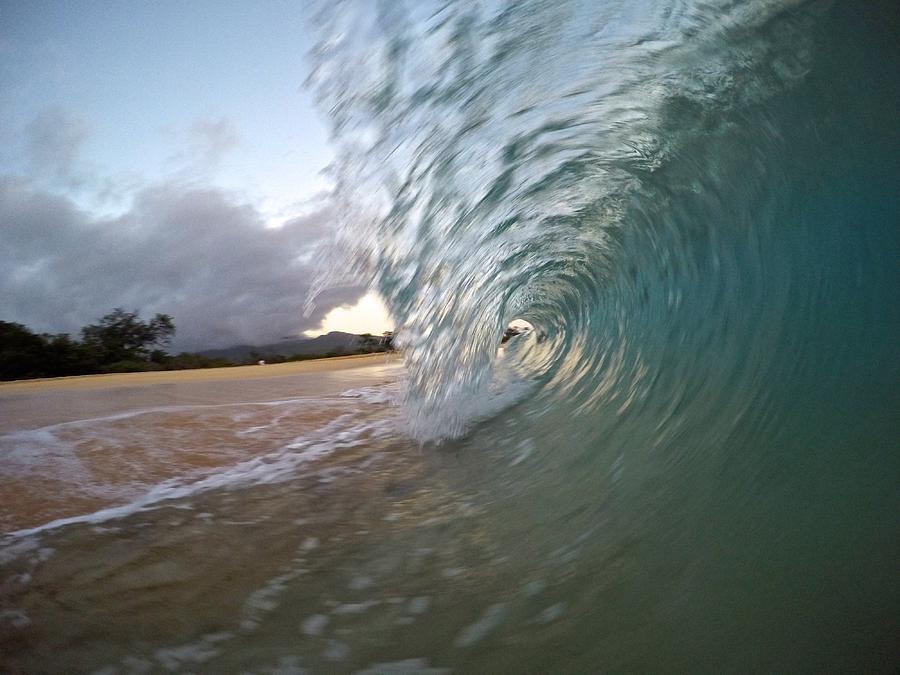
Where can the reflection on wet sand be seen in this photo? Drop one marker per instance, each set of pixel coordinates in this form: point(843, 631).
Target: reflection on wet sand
point(72, 446)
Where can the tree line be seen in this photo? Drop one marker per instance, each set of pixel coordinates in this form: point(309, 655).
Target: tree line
point(119, 342)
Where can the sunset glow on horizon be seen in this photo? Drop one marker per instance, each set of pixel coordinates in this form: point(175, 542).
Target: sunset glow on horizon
point(369, 315)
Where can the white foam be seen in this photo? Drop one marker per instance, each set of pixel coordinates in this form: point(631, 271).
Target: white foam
point(551, 613)
point(355, 607)
point(534, 587)
point(137, 412)
point(343, 432)
point(490, 620)
point(526, 447)
point(360, 583)
point(456, 415)
point(374, 395)
point(315, 624)
point(419, 605)
point(27, 451)
point(173, 658)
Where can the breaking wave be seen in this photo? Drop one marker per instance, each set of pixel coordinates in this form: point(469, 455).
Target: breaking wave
point(695, 206)
point(652, 185)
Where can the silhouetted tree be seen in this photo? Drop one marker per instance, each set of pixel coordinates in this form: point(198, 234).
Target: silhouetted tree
point(65, 356)
point(122, 336)
point(21, 352)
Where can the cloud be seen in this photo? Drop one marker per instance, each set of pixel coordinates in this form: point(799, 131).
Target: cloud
point(212, 139)
point(203, 146)
point(200, 255)
point(53, 141)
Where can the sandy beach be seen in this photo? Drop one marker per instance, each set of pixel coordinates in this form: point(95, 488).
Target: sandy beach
point(28, 404)
point(254, 372)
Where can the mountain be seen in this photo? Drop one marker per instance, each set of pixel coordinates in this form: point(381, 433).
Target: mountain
point(334, 341)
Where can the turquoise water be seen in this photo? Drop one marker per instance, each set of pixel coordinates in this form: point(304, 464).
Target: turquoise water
point(691, 464)
point(697, 207)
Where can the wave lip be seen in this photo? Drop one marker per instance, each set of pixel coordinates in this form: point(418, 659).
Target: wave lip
point(486, 178)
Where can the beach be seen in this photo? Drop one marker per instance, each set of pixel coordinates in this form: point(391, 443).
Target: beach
point(201, 506)
point(280, 524)
point(72, 446)
point(254, 372)
point(29, 403)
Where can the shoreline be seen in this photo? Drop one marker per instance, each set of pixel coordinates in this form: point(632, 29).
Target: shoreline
point(100, 446)
point(225, 373)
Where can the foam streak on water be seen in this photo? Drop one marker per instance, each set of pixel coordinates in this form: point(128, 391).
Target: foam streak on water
point(94, 470)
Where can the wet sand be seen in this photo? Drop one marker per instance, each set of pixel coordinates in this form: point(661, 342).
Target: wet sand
point(27, 404)
point(71, 446)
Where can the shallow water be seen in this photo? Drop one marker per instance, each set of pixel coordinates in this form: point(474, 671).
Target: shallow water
point(690, 464)
point(67, 453)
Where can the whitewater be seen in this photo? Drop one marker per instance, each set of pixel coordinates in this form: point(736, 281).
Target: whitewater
point(689, 464)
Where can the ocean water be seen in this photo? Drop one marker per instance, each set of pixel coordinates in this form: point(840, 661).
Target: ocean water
point(690, 464)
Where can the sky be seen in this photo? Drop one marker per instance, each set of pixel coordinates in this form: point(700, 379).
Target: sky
point(165, 157)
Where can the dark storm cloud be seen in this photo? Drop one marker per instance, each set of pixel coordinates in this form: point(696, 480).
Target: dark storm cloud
point(53, 141)
point(197, 254)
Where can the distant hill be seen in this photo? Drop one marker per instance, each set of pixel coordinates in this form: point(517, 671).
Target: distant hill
point(334, 341)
